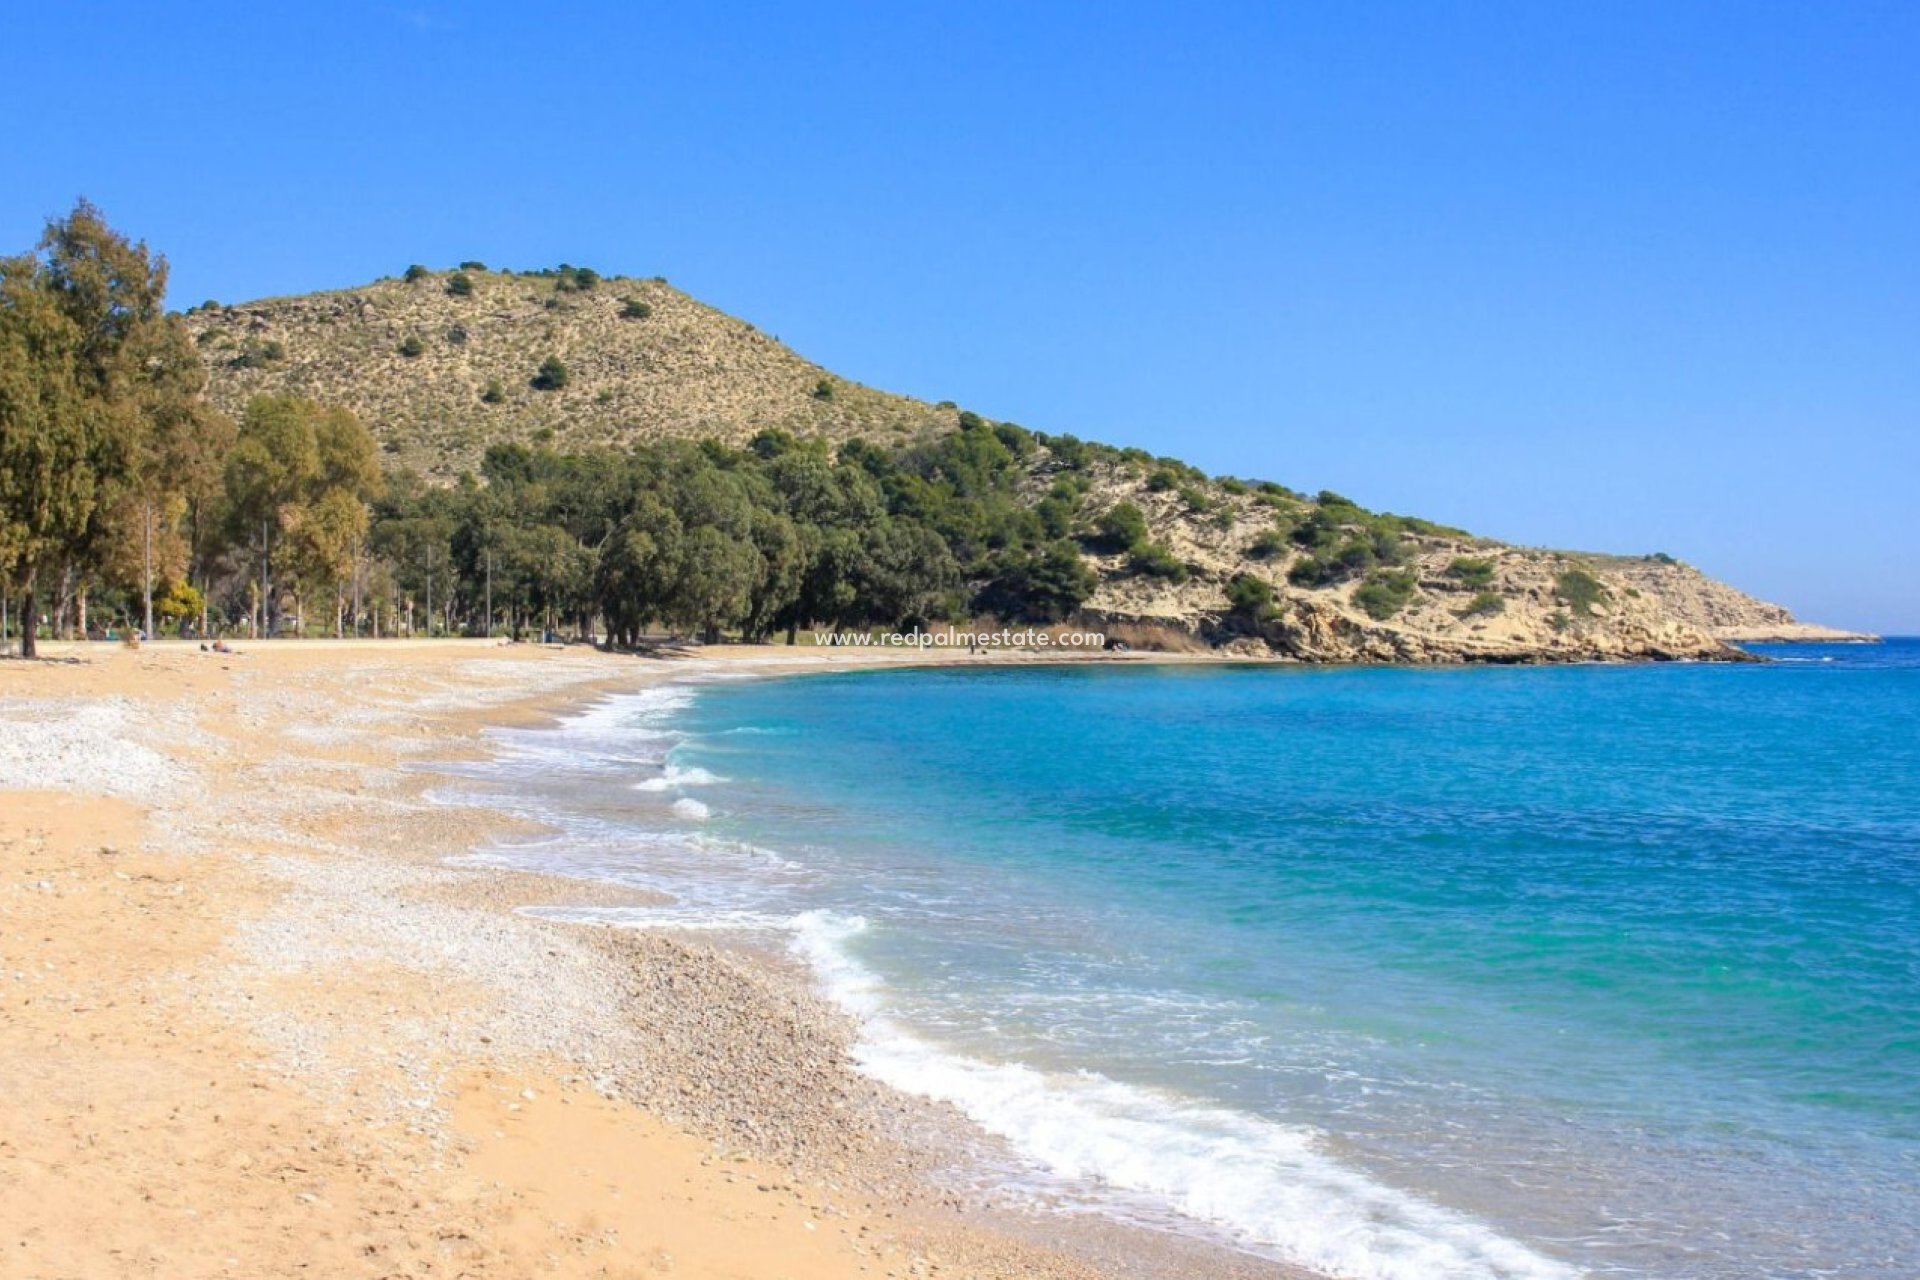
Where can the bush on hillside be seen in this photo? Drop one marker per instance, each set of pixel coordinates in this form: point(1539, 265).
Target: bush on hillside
point(1251, 599)
point(1155, 561)
point(460, 284)
point(552, 375)
point(1471, 573)
point(1269, 544)
point(416, 273)
point(634, 309)
point(1580, 590)
point(1485, 605)
point(1122, 527)
point(411, 346)
point(1385, 594)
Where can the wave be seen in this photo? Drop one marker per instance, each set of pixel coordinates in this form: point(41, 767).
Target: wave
point(1268, 1185)
point(692, 810)
point(675, 777)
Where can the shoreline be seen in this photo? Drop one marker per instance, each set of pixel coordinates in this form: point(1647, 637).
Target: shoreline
point(402, 1005)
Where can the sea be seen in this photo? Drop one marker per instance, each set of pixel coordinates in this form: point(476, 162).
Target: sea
point(1394, 974)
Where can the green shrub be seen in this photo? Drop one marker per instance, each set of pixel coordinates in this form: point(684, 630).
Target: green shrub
point(1414, 524)
point(457, 335)
point(1580, 590)
point(494, 392)
point(473, 266)
point(1122, 527)
point(258, 355)
point(575, 279)
point(1270, 543)
point(1308, 571)
point(1485, 605)
point(1385, 594)
point(1232, 485)
point(1018, 440)
point(1471, 573)
point(603, 397)
point(552, 375)
point(1156, 561)
point(1055, 512)
point(1195, 499)
point(1251, 599)
point(460, 284)
point(416, 273)
point(1162, 479)
point(1388, 546)
point(634, 309)
point(411, 346)
point(1070, 452)
point(823, 390)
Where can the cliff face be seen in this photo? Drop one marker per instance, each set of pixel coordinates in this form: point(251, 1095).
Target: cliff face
point(447, 363)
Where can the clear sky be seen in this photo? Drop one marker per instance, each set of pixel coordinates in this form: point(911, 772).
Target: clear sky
point(1621, 276)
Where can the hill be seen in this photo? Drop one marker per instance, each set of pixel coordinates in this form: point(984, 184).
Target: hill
point(442, 364)
point(448, 362)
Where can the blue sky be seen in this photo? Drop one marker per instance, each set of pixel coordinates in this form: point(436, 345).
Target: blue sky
point(1628, 277)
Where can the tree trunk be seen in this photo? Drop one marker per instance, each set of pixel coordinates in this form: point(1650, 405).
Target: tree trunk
point(146, 569)
point(30, 620)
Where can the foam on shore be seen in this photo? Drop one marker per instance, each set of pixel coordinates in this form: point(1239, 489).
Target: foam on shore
point(1266, 1184)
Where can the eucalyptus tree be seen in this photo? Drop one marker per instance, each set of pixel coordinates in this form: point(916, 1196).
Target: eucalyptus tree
point(92, 372)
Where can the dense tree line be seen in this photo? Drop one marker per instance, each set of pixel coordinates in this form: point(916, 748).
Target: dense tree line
point(125, 499)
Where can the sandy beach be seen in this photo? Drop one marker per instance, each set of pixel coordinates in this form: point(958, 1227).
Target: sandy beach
point(254, 1023)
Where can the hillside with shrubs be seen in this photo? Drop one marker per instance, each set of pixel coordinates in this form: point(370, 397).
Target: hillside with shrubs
point(443, 363)
point(554, 453)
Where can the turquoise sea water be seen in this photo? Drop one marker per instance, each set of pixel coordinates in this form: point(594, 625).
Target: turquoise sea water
point(1395, 973)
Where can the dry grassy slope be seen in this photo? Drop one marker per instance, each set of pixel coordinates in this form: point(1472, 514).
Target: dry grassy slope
point(1651, 609)
point(684, 370)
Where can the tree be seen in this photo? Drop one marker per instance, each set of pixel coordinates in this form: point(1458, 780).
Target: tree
point(89, 363)
point(302, 471)
point(1038, 586)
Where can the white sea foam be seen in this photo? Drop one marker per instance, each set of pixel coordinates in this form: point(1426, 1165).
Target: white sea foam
point(676, 777)
point(667, 917)
point(689, 808)
point(1267, 1184)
